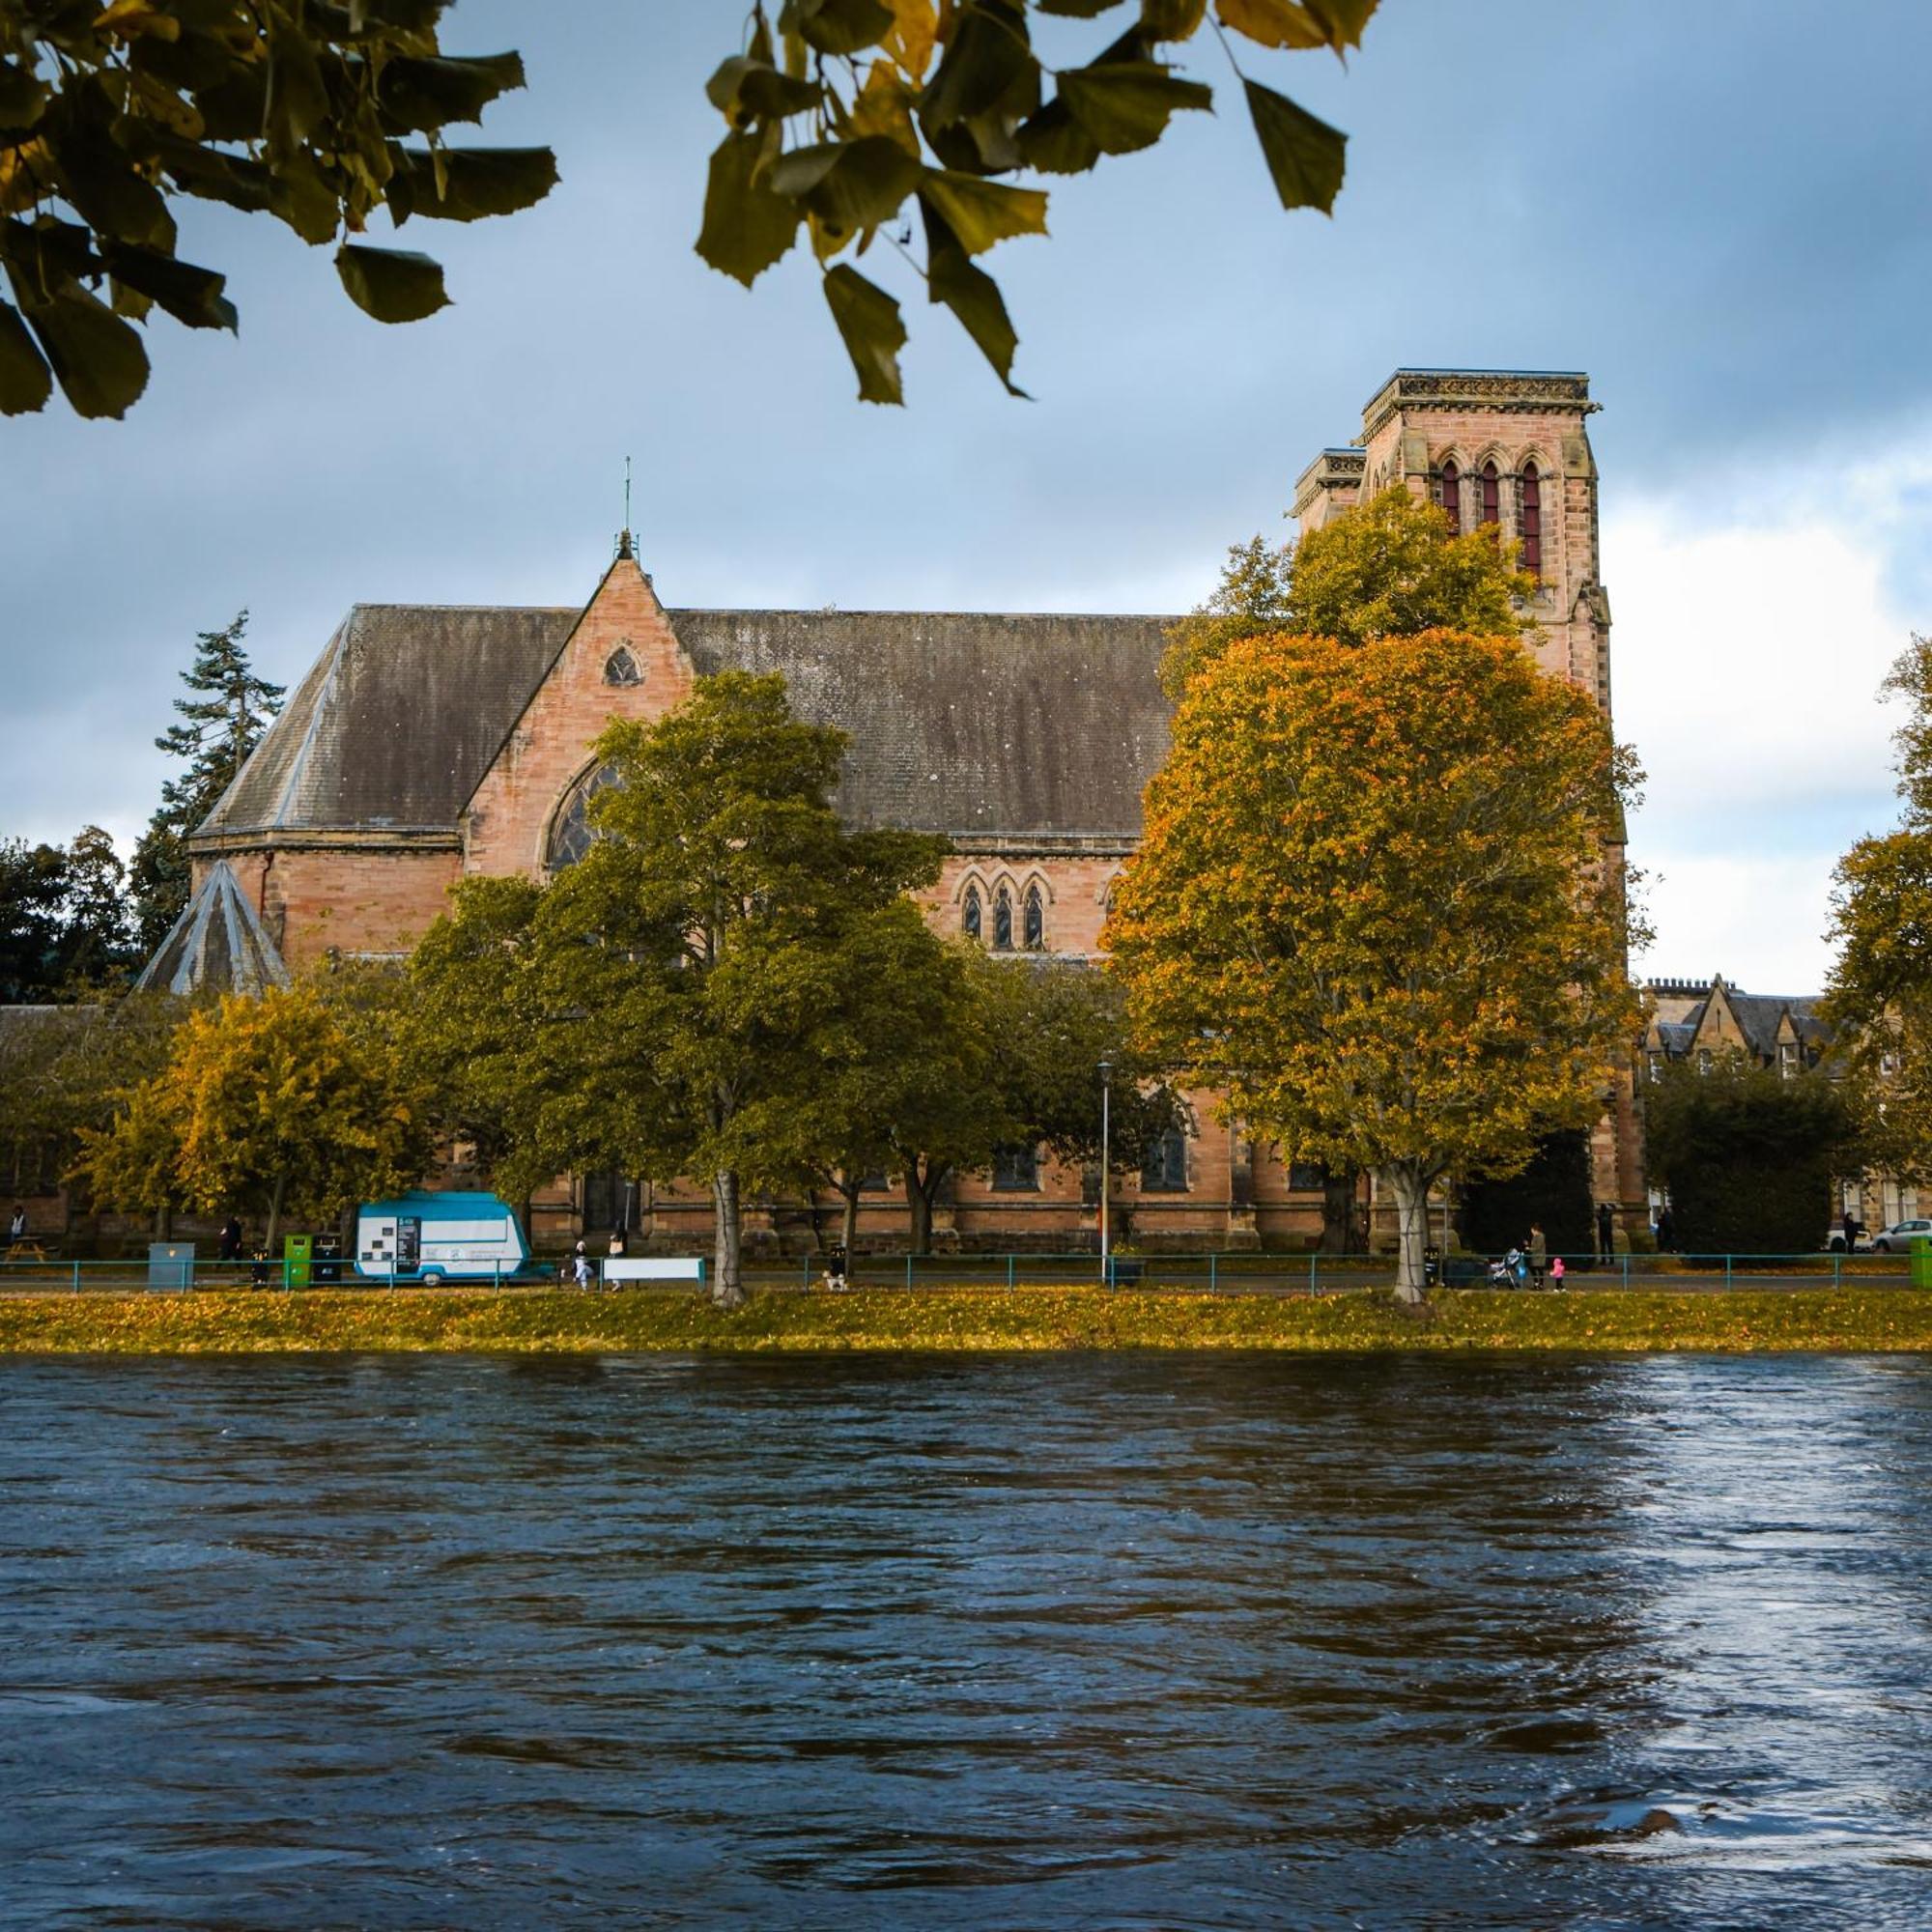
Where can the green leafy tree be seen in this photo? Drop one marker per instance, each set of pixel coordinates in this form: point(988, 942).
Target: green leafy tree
point(474, 1020)
point(1552, 1192)
point(1749, 1157)
point(680, 992)
point(97, 943)
point(1057, 1021)
point(223, 719)
point(844, 118)
point(1387, 568)
point(33, 904)
point(1879, 998)
point(954, 1053)
point(280, 1104)
point(1372, 906)
point(909, 1089)
point(66, 1069)
point(65, 930)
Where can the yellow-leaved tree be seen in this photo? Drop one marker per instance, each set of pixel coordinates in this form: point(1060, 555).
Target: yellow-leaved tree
point(1372, 906)
point(1880, 992)
point(290, 1104)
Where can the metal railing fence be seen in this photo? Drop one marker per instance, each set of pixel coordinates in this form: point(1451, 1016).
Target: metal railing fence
point(1231, 1273)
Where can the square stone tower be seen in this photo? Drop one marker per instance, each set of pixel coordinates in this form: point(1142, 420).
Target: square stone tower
point(1505, 446)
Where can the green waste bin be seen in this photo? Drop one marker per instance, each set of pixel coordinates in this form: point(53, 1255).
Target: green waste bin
point(1921, 1261)
point(297, 1250)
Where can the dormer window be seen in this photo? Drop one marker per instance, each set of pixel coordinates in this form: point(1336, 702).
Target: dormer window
point(621, 667)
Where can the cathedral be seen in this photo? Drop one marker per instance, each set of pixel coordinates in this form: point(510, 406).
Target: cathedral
point(431, 742)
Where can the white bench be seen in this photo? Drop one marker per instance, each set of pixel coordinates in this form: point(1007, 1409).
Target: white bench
point(653, 1267)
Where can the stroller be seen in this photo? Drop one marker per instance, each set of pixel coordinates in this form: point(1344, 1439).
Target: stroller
point(1512, 1271)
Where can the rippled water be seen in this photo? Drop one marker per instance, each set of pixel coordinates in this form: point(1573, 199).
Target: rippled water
point(1060, 1641)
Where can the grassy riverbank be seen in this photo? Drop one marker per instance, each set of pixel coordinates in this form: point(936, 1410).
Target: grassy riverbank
point(1845, 1320)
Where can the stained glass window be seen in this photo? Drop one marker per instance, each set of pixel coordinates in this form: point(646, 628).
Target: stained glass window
point(969, 917)
point(1035, 920)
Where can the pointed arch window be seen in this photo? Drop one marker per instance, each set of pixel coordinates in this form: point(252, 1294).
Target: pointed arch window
point(1491, 489)
point(969, 915)
point(571, 831)
point(1164, 1166)
point(1530, 524)
point(1003, 921)
point(1035, 928)
point(1450, 496)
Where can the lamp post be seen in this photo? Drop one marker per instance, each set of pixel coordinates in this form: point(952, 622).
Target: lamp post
point(1107, 1153)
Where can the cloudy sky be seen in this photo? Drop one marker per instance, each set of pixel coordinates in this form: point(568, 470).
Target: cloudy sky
point(1720, 213)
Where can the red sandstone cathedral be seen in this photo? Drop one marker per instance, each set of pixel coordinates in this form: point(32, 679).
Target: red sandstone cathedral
point(431, 742)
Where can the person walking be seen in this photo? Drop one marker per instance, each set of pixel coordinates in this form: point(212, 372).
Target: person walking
point(1666, 1232)
point(16, 1228)
point(1539, 1255)
point(580, 1263)
point(1556, 1270)
point(1606, 1231)
point(1850, 1228)
point(231, 1240)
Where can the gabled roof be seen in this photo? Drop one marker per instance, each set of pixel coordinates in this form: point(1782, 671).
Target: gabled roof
point(1759, 1013)
point(1760, 1018)
point(395, 722)
point(217, 942)
point(976, 724)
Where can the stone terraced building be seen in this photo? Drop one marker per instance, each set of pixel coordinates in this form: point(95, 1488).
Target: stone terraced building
point(431, 742)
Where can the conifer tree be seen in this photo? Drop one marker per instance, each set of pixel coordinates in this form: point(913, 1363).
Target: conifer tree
point(223, 719)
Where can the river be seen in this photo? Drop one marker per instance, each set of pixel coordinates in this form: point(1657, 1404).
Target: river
point(1050, 1641)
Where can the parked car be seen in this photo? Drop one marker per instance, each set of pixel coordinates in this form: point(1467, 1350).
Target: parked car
point(1835, 1243)
point(1900, 1235)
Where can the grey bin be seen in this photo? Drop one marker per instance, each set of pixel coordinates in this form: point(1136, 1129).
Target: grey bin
point(170, 1264)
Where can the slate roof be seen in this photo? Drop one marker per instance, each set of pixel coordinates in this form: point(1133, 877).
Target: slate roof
point(396, 720)
point(218, 941)
point(975, 724)
point(1758, 1015)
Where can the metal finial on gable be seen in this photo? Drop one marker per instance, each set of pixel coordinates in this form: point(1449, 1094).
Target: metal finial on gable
point(624, 535)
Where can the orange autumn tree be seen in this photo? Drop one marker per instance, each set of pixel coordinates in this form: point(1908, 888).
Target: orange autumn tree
point(296, 1103)
point(1370, 908)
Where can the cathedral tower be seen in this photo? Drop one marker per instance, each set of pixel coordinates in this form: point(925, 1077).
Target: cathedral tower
point(1492, 446)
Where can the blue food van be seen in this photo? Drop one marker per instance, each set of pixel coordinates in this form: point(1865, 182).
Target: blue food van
point(431, 1238)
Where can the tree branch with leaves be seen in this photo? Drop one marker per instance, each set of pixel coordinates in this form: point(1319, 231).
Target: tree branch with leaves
point(849, 120)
